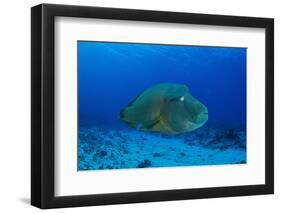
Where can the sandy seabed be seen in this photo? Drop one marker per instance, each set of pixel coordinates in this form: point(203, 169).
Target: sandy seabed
point(122, 149)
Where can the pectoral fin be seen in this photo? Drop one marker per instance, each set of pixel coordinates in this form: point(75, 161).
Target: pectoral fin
point(162, 127)
point(147, 125)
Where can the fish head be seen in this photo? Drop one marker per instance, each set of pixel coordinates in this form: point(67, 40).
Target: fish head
point(185, 113)
point(196, 112)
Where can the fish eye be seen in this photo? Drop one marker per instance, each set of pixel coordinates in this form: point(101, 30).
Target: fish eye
point(176, 99)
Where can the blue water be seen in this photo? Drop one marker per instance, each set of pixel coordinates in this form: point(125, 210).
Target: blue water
point(110, 75)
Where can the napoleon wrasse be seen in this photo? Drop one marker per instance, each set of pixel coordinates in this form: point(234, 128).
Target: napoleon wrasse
point(165, 108)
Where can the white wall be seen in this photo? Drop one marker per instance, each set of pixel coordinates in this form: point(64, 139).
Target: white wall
point(15, 105)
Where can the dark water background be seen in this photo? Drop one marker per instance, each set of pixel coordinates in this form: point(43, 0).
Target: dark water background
point(112, 74)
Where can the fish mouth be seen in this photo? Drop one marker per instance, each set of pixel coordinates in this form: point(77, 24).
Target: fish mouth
point(205, 112)
point(201, 118)
point(204, 116)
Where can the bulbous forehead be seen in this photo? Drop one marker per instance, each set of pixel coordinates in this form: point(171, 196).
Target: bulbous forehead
point(176, 90)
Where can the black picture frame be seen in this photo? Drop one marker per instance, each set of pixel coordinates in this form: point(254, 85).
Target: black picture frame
point(43, 114)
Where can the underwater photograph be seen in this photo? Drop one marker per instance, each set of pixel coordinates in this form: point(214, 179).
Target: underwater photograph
point(160, 105)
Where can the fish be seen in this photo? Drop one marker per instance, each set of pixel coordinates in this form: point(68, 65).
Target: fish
point(167, 108)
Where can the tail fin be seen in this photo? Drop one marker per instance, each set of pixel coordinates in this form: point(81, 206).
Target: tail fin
point(122, 113)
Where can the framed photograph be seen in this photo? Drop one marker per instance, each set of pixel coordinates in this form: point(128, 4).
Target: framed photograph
point(139, 106)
